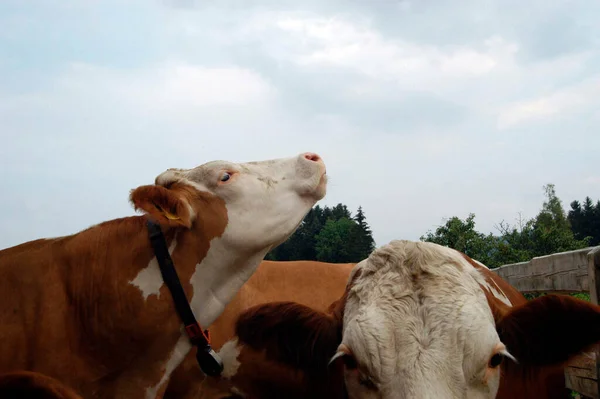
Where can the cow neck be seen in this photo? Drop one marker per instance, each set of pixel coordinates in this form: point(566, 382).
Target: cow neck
point(207, 358)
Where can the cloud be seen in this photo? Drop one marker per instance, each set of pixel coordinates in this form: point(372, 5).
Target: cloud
point(577, 97)
point(592, 180)
point(340, 43)
point(88, 103)
point(171, 86)
point(359, 64)
point(421, 110)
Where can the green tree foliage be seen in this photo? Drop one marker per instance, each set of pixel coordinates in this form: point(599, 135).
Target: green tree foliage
point(328, 235)
point(365, 243)
point(334, 241)
point(585, 221)
point(462, 236)
point(549, 232)
point(333, 234)
point(514, 242)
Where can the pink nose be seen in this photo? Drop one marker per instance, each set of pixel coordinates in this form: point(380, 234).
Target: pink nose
point(311, 156)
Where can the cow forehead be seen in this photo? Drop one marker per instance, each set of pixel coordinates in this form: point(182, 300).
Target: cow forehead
point(414, 296)
point(252, 165)
point(207, 170)
point(405, 267)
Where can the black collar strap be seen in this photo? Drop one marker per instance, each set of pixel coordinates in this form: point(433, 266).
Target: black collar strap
point(207, 358)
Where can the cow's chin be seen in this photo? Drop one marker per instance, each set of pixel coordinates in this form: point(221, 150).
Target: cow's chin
point(321, 189)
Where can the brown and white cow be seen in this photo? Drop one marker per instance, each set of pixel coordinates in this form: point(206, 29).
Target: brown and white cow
point(91, 309)
point(417, 320)
point(310, 283)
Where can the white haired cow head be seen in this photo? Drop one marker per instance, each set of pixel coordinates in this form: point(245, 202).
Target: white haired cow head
point(417, 320)
point(265, 201)
point(425, 321)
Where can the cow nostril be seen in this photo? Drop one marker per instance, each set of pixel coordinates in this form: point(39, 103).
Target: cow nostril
point(312, 157)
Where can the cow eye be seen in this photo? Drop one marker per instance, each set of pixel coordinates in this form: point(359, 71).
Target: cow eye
point(225, 176)
point(496, 360)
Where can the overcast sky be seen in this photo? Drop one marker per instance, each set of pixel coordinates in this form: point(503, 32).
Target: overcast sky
point(421, 109)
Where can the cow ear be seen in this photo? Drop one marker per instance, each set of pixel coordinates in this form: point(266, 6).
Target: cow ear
point(549, 330)
point(166, 206)
point(290, 333)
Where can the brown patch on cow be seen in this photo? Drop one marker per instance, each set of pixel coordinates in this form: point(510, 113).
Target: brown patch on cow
point(213, 388)
point(542, 336)
point(514, 296)
point(273, 376)
point(187, 379)
point(498, 308)
point(318, 285)
point(293, 334)
point(26, 384)
point(260, 377)
point(69, 310)
point(541, 332)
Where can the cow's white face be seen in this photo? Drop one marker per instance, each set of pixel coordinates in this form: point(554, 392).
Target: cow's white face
point(265, 201)
point(418, 325)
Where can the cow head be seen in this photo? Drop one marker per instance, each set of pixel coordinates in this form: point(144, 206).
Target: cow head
point(417, 320)
point(253, 206)
point(421, 322)
point(222, 218)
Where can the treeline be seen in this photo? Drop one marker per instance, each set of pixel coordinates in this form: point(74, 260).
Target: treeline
point(585, 220)
point(551, 230)
point(328, 235)
point(335, 235)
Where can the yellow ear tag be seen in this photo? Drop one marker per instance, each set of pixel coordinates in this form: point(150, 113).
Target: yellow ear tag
point(170, 216)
